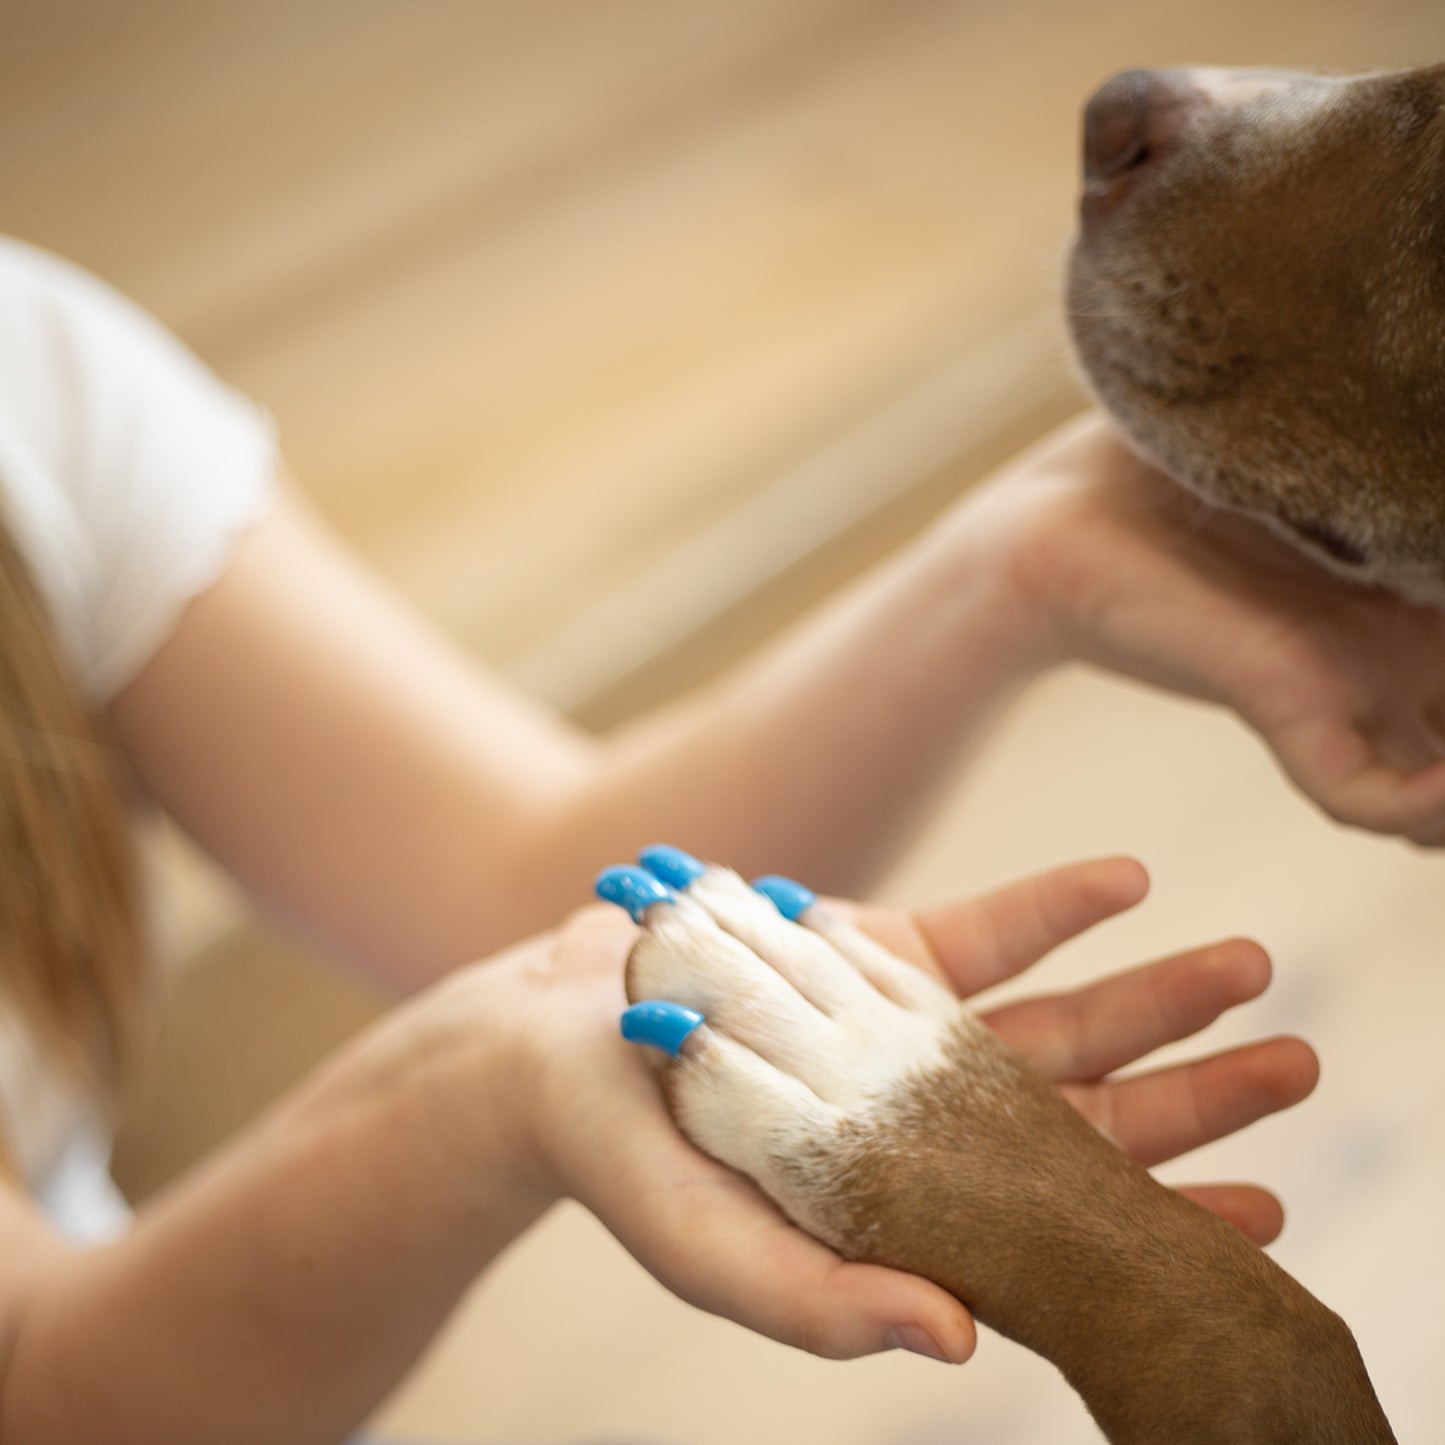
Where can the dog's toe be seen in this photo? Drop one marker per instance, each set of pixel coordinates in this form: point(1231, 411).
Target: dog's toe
point(805, 960)
point(893, 977)
point(840, 1015)
point(740, 1109)
point(686, 958)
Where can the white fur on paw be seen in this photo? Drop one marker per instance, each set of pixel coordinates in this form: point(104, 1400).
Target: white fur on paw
point(805, 1034)
point(716, 1076)
point(890, 975)
point(806, 961)
point(686, 958)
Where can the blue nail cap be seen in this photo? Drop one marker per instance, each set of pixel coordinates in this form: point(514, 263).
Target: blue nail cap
point(659, 1024)
point(789, 898)
point(634, 889)
point(676, 868)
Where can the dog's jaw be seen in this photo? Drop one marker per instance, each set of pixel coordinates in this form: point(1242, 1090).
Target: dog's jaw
point(1261, 304)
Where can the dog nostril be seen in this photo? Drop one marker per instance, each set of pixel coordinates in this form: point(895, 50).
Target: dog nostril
point(1114, 127)
point(1129, 119)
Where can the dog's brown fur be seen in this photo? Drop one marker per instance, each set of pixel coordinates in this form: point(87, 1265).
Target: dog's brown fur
point(1257, 293)
point(1169, 1323)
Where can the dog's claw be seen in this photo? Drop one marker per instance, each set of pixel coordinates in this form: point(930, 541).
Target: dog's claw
point(791, 899)
point(634, 889)
point(660, 1024)
point(674, 867)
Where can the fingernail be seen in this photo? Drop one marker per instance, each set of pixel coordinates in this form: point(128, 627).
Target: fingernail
point(676, 868)
point(634, 889)
point(659, 1024)
point(916, 1339)
point(789, 898)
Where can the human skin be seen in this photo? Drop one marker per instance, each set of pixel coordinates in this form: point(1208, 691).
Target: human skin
point(381, 793)
point(388, 797)
point(281, 1290)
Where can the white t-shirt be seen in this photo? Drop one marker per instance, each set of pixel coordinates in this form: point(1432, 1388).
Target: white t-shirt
point(127, 474)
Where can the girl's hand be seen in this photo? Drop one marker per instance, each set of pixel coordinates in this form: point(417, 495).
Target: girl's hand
point(1121, 567)
point(1081, 1037)
point(600, 1130)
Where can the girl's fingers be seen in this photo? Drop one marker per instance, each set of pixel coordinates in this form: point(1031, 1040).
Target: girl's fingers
point(1166, 1113)
point(719, 1244)
point(986, 940)
point(1387, 800)
point(1344, 772)
point(1094, 1030)
point(713, 1238)
point(1254, 1212)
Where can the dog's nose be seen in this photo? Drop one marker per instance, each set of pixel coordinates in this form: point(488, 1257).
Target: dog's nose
point(1132, 120)
point(1136, 119)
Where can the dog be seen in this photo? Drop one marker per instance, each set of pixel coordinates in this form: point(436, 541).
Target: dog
point(1257, 295)
point(886, 1120)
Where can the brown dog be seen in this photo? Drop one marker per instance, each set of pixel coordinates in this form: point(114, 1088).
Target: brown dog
point(1258, 295)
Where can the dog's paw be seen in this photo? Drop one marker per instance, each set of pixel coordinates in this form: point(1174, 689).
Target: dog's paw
point(817, 1043)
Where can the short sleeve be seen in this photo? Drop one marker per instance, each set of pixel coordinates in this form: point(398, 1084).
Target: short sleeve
point(127, 470)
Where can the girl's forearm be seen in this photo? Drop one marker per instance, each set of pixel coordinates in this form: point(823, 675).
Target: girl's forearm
point(819, 756)
point(283, 1292)
point(371, 786)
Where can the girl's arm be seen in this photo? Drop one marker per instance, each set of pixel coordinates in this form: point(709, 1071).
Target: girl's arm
point(278, 1293)
point(382, 791)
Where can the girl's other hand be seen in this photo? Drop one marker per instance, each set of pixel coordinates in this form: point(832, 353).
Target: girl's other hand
point(1117, 565)
point(600, 1130)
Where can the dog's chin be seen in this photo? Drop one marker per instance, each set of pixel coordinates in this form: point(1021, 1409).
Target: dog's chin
point(1411, 583)
point(1363, 557)
point(1329, 548)
point(1366, 563)
point(1192, 443)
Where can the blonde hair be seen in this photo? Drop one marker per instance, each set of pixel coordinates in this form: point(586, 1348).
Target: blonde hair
point(72, 955)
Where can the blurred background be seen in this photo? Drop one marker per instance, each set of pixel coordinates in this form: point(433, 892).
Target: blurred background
point(615, 332)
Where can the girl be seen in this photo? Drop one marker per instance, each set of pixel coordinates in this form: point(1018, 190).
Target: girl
point(175, 624)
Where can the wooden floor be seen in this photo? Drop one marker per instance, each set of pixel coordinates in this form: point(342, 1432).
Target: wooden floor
point(614, 331)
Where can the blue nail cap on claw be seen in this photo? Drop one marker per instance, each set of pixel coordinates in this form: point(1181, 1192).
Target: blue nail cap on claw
point(659, 1024)
point(791, 899)
point(634, 889)
point(676, 868)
